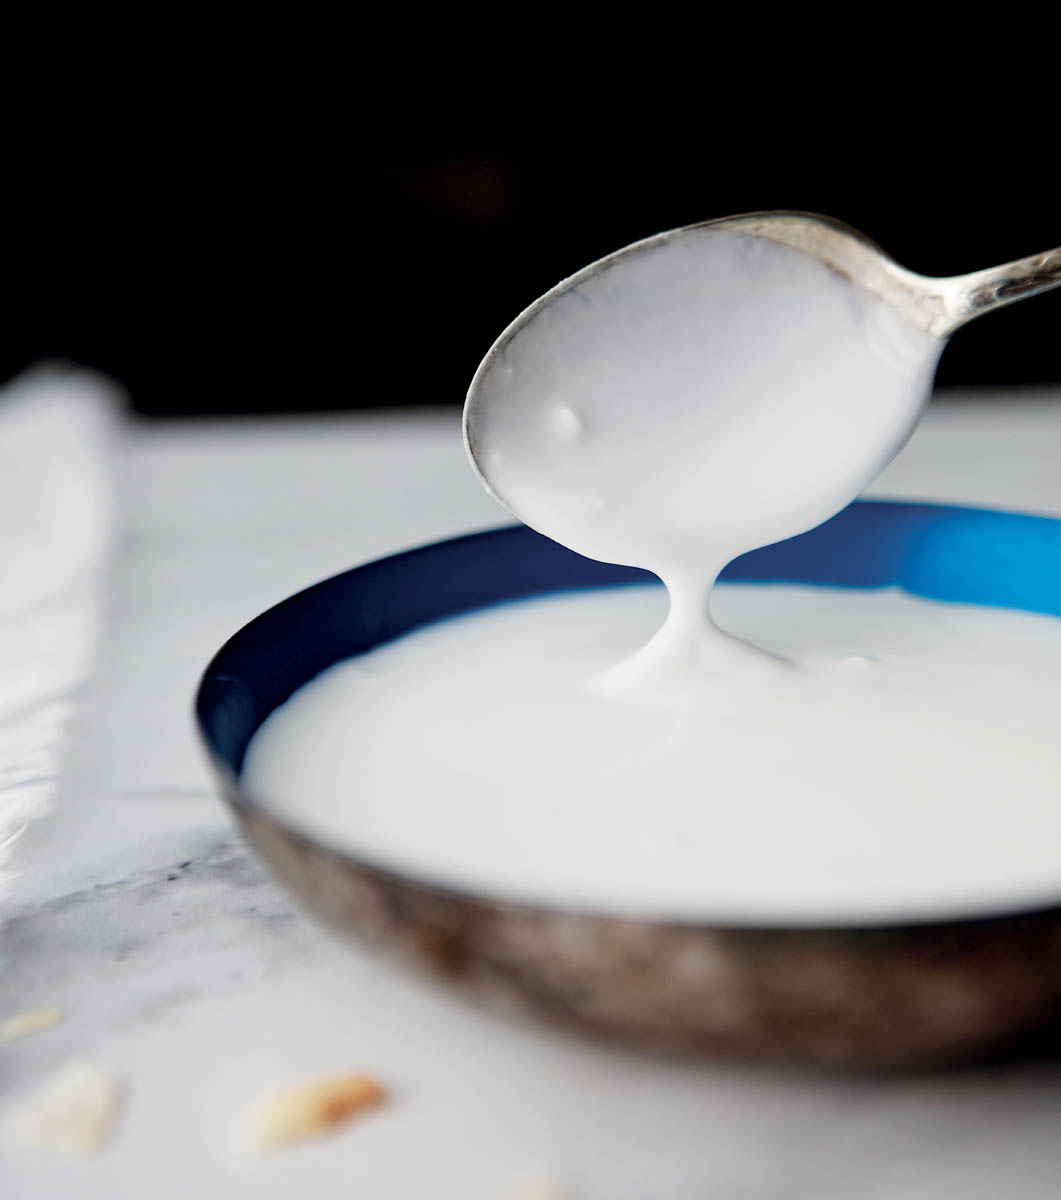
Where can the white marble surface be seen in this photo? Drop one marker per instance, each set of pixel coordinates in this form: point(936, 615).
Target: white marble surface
point(136, 909)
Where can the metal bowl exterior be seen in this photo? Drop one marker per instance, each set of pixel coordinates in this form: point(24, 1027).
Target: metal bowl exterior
point(901, 997)
point(909, 995)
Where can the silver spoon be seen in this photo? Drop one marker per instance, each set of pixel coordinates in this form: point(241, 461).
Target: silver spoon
point(936, 306)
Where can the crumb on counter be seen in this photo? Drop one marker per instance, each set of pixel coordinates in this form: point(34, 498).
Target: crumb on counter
point(539, 1185)
point(26, 1024)
point(74, 1112)
point(311, 1109)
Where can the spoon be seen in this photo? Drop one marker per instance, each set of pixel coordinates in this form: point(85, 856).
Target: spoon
point(713, 389)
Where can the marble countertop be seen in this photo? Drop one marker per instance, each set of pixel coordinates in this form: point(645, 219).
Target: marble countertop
point(181, 965)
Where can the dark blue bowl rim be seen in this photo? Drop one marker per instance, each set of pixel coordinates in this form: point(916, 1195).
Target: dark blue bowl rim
point(950, 553)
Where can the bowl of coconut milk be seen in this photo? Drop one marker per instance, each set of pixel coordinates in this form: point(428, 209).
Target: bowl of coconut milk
point(706, 755)
point(904, 910)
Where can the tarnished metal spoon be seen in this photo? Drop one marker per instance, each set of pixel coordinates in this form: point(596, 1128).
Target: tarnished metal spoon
point(544, 407)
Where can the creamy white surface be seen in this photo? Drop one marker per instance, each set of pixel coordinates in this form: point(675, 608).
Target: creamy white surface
point(846, 789)
point(699, 396)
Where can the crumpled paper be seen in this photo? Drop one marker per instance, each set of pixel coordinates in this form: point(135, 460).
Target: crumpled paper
point(58, 440)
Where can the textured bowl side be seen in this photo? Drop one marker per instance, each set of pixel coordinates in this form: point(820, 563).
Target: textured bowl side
point(908, 996)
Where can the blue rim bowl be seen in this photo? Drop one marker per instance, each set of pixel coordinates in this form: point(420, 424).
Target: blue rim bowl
point(911, 993)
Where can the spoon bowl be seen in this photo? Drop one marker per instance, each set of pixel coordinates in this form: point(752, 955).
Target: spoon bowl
point(779, 357)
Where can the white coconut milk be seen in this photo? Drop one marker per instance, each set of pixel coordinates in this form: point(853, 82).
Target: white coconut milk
point(909, 766)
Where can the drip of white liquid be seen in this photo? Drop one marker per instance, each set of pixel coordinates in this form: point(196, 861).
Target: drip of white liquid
point(704, 396)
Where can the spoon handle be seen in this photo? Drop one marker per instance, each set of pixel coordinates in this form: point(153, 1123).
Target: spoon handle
point(983, 291)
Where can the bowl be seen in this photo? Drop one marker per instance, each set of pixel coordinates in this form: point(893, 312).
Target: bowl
point(910, 994)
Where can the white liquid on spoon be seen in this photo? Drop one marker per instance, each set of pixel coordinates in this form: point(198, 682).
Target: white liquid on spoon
point(702, 397)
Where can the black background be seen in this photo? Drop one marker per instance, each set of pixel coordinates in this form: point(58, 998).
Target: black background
point(307, 228)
